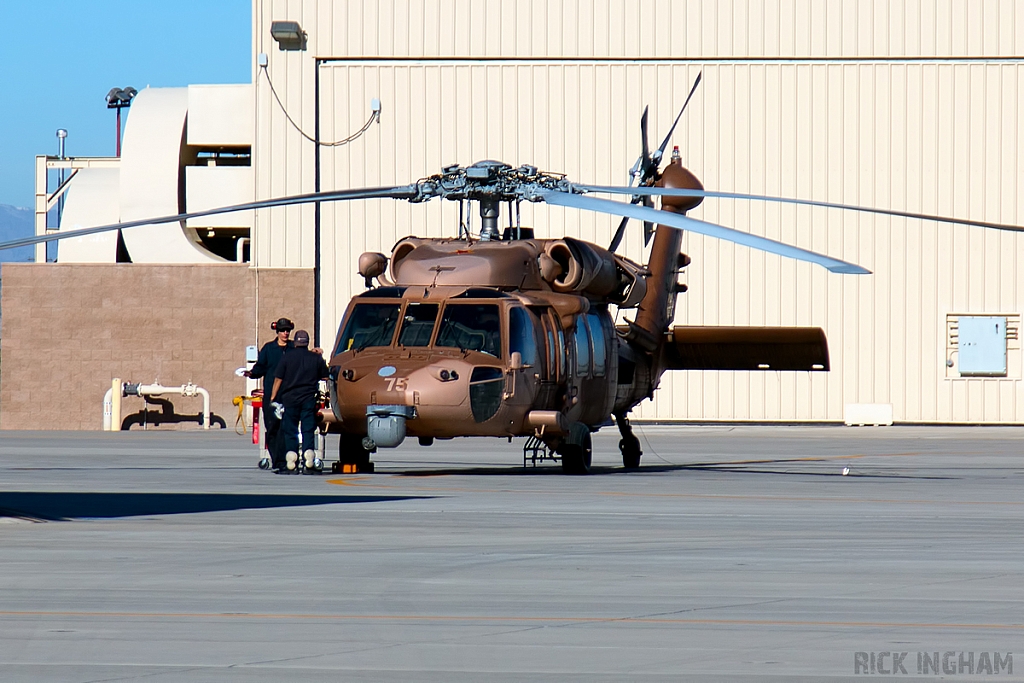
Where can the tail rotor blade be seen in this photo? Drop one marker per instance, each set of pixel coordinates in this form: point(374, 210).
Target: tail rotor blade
point(644, 169)
point(617, 238)
point(643, 135)
point(647, 166)
point(648, 226)
point(664, 143)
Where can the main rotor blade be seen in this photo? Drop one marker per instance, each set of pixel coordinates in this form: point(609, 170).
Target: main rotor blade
point(664, 143)
point(400, 192)
point(681, 222)
point(676, 192)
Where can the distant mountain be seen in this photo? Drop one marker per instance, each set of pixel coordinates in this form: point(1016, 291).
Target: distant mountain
point(16, 222)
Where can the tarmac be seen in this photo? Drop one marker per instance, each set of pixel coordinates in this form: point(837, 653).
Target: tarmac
point(746, 553)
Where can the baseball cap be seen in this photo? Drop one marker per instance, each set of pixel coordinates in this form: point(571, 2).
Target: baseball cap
point(302, 338)
point(282, 325)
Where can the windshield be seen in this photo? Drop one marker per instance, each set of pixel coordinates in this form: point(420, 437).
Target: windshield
point(417, 324)
point(472, 327)
point(369, 325)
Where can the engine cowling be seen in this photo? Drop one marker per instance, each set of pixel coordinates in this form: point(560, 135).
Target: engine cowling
point(584, 268)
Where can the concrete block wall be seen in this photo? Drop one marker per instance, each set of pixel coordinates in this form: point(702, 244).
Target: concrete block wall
point(68, 329)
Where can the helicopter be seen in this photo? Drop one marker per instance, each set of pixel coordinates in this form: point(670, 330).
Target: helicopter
point(504, 334)
point(507, 335)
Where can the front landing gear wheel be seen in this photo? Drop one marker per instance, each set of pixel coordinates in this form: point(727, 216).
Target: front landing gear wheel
point(264, 463)
point(352, 457)
point(630, 449)
point(577, 451)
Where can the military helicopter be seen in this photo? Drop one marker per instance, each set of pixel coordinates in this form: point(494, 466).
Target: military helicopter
point(507, 335)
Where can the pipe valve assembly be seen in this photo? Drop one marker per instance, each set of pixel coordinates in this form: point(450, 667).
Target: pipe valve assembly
point(119, 390)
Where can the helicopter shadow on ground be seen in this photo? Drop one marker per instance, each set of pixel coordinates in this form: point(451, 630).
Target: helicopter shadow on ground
point(65, 506)
point(769, 467)
point(765, 467)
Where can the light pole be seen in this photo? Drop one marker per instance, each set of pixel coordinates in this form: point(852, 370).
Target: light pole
point(120, 98)
point(62, 135)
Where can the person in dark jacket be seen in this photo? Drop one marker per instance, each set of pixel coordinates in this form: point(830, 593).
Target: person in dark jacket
point(266, 367)
point(298, 380)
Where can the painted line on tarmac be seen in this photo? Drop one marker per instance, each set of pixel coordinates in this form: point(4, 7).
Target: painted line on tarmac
point(502, 618)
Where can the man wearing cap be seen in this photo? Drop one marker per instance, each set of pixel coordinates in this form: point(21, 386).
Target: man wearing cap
point(295, 387)
point(266, 367)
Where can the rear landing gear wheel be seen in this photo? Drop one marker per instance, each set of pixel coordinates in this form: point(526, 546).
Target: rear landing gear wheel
point(577, 452)
point(264, 463)
point(630, 449)
point(629, 445)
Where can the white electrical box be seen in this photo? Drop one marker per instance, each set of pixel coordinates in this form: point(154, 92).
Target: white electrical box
point(982, 342)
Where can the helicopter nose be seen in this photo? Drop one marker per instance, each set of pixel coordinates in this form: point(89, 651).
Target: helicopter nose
point(386, 423)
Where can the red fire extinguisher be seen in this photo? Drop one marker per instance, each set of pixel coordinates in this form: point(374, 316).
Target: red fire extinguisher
point(257, 404)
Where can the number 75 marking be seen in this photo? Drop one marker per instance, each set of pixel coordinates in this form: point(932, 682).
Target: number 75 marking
point(397, 383)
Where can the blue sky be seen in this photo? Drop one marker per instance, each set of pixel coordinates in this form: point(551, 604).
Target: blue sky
point(59, 58)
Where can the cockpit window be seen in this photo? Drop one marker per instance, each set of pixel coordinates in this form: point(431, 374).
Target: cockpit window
point(417, 324)
point(472, 327)
point(369, 325)
point(522, 336)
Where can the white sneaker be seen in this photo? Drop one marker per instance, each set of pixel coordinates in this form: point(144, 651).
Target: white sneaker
point(309, 456)
point(291, 457)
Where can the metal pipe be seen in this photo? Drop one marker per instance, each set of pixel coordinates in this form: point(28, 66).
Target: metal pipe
point(62, 135)
point(115, 404)
point(107, 408)
point(206, 406)
point(187, 390)
point(316, 206)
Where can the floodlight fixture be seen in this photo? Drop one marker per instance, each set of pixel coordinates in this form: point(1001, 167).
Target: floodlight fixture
point(120, 98)
point(288, 34)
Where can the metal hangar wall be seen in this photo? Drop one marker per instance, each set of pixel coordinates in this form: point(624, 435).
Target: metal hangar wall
point(904, 104)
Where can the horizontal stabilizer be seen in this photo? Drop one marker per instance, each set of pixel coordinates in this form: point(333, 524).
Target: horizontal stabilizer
point(747, 348)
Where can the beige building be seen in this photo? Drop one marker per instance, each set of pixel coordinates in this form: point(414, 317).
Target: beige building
point(910, 105)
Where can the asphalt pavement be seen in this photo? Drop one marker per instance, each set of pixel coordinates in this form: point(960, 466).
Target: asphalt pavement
point(748, 553)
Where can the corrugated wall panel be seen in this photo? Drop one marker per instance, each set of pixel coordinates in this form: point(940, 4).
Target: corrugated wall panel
point(922, 135)
point(696, 29)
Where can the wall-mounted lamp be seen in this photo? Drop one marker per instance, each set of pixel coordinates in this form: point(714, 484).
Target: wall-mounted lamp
point(288, 34)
